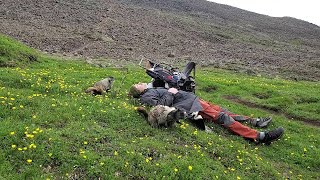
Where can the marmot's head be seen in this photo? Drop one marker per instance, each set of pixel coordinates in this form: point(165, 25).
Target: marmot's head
point(110, 79)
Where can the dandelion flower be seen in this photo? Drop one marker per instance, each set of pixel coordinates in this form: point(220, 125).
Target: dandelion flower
point(190, 168)
point(32, 146)
point(82, 151)
point(29, 161)
point(29, 135)
point(12, 133)
point(85, 142)
point(13, 146)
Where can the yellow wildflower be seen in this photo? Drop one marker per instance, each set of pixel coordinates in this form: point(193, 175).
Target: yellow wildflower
point(32, 146)
point(12, 133)
point(13, 146)
point(29, 161)
point(190, 168)
point(30, 135)
point(115, 153)
point(82, 151)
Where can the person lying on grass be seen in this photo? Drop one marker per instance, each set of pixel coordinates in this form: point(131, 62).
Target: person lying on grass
point(198, 109)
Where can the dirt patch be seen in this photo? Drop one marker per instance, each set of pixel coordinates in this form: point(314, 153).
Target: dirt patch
point(272, 110)
point(209, 89)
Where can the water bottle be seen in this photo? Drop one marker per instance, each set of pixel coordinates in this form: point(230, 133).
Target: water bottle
point(176, 76)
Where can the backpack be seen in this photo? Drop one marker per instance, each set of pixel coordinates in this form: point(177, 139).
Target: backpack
point(167, 76)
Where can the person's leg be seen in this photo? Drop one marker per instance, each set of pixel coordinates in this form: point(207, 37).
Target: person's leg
point(211, 112)
point(257, 122)
point(237, 117)
point(214, 113)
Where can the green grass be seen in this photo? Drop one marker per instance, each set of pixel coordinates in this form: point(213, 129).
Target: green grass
point(15, 54)
point(46, 117)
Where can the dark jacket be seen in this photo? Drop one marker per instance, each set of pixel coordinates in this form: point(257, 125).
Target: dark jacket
point(186, 101)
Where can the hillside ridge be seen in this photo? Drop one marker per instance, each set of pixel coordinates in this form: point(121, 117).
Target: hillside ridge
point(167, 31)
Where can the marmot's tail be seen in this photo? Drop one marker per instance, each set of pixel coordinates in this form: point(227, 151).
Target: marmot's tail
point(143, 111)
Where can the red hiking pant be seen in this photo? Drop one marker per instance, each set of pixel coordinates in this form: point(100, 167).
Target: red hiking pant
point(220, 116)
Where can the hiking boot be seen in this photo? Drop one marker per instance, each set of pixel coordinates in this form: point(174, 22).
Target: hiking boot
point(270, 136)
point(261, 122)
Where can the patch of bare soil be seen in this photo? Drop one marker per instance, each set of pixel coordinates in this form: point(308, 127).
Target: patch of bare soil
point(272, 110)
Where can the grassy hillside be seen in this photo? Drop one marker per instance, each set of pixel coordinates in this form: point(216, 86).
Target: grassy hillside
point(15, 54)
point(51, 129)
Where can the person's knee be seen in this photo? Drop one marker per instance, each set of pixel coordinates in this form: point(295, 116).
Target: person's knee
point(225, 119)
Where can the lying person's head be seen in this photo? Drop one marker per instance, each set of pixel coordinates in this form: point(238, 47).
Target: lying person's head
point(137, 89)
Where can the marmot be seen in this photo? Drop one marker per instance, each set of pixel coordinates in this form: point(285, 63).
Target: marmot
point(162, 116)
point(101, 87)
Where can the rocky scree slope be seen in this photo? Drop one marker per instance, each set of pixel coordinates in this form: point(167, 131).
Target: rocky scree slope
point(104, 31)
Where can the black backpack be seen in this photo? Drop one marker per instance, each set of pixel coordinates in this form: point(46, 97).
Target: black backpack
point(167, 76)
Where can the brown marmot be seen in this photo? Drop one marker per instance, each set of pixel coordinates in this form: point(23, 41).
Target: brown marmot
point(101, 87)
